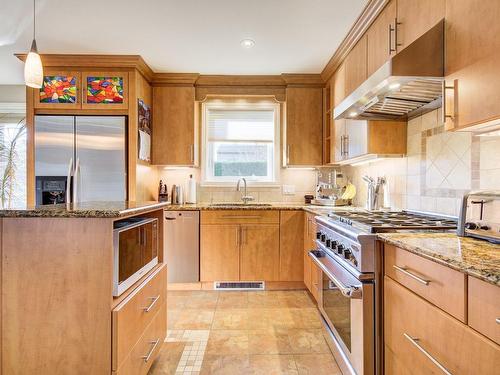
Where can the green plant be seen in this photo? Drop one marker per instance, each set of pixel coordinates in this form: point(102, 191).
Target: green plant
point(9, 159)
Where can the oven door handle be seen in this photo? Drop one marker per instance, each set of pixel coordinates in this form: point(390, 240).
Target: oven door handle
point(348, 291)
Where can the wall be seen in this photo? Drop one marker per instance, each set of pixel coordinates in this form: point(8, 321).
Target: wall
point(12, 94)
point(439, 168)
point(303, 180)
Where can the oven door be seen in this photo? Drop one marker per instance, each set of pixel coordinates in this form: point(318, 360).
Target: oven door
point(347, 306)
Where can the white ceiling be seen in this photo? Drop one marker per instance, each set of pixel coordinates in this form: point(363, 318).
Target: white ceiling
point(292, 36)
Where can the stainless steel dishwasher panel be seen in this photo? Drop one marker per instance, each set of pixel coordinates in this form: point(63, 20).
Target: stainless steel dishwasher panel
point(182, 246)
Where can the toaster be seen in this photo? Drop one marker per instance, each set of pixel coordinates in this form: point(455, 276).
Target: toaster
point(480, 215)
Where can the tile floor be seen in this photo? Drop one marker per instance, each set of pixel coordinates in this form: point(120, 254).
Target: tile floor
point(230, 333)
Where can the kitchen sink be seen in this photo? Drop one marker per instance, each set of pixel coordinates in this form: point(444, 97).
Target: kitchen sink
point(240, 205)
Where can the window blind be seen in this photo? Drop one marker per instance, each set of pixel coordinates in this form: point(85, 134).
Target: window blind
point(240, 125)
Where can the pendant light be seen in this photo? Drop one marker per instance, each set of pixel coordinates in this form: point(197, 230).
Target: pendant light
point(33, 69)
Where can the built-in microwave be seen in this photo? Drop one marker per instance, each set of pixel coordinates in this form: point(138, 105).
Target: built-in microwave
point(135, 243)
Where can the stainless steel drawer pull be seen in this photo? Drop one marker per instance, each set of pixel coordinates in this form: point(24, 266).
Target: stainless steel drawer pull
point(154, 344)
point(413, 276)
point(497, 320)
point(240, 217)
point(414, 341)
point(153, 302)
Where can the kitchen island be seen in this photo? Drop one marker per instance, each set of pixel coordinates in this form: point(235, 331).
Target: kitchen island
point(58, 310)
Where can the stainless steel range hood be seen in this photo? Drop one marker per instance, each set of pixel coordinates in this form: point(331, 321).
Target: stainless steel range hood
point(406, 86)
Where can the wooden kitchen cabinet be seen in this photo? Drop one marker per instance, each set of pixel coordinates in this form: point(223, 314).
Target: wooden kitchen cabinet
point(484, 308)
point(471, 66)
point(303, 144)
point(415, 18)
point(355, 139)
point(291, 245)
point(104, 90)
point(260, 252)
point(219, 252)
point(309, 244)
point(411, 322)
point(381, 38)
point(173, 133)
point(356, 66)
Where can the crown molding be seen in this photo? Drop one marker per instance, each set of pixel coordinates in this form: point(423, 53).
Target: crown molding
point(240, 80)
point(362, 23)
point(302, 80)
point(95, 61)
point(174, 79)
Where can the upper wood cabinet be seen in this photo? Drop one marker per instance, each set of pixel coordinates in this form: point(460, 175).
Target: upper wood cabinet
point(415, 18)
point(356, 138)
point(304, 126)
point(381, 38)
point(356, 66)
point(471, 69)
point(174, 133)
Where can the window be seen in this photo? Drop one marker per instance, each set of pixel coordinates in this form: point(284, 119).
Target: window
point(240, 140)
point(12, 160)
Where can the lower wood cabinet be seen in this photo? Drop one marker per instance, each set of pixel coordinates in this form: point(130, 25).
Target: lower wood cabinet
point(259, 252)
point(247, 245)
point(484, 308)
point(310, 269)
point(422, 339)
point(316, 281)
point(134, 314)
point(219, 252)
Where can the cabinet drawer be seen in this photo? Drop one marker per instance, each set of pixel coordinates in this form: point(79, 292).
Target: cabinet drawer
point(135, 313)
point(142, 355)
point(240, 217)
point(484, 308)
point(438, 284)
point(418, 333)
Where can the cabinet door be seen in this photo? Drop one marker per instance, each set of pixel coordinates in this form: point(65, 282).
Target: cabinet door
point(60, 90)
point(357, 137)
point(316, 281)
point(355, 66)
point(307, 259)
point(472, 55)
point(412, 326)
point(339, 88)
point(339, 133)
point(304, 126)
point(219, 252)
point(173, 126)
point(381, 43)
point(415, 18)
point(259, 253)
point(104, 90)
point(291, 245)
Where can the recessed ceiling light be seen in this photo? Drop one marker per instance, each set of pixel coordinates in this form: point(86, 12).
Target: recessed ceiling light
point(247, 43)
point(353, 114)
point(394, 86)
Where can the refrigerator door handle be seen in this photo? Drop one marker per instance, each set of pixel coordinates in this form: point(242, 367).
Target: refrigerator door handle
point(75, 180)
point(68, 181)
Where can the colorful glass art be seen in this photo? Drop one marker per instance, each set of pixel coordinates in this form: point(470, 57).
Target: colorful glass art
point(106, 90)
point(58, 89)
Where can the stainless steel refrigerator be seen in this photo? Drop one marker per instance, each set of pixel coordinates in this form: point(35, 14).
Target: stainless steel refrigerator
point(80, 159)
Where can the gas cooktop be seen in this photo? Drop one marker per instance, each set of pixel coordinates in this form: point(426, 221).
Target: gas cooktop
point(383, 221)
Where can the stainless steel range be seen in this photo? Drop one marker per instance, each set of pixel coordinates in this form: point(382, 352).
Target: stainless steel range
point(346, 252)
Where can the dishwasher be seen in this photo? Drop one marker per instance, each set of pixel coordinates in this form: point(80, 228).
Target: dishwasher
point(182, 246)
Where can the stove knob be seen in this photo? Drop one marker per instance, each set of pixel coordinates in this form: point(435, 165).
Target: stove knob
point(334, 244)
point(328, 242)
point(340, 248)
point(471, 225)
point(347, 254)
point(318, 235)
point(484, 227)
point(323, 238)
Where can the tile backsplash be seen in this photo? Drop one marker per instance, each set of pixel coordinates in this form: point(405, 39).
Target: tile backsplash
point(302, 182)
point(438, 169)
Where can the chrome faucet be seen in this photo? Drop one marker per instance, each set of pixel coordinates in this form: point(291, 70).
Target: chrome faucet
point(244, 197)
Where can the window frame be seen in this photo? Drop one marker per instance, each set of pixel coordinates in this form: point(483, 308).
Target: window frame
point(241, 104)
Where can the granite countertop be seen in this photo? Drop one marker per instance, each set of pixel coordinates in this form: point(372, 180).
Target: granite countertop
point(473, 257)
point(108, 209)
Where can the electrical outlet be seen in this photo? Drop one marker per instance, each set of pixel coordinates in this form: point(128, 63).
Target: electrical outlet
point(288, 189)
